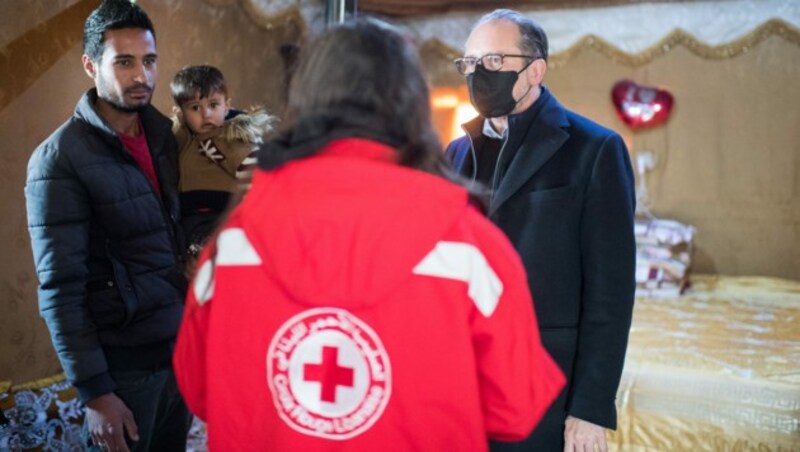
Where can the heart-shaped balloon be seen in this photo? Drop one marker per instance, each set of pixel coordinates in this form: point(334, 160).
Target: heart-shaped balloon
point(641, 106)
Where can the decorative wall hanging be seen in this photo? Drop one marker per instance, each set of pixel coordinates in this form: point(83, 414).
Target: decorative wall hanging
point(641, 106)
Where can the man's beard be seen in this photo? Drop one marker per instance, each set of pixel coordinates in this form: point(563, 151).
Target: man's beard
point(118, 103)
point(126, 109)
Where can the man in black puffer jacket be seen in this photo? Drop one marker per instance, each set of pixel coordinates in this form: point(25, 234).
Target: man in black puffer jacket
point(102, 214)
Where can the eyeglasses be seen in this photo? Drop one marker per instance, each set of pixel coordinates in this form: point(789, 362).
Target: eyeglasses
point(491, 62)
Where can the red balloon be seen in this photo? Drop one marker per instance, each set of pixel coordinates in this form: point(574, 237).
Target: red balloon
point(641, 106)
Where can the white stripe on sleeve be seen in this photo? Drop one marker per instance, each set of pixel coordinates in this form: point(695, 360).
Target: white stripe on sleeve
point(464, 262)
point(233, 249)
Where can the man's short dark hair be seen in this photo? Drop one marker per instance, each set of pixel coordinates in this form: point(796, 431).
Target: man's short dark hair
point(533, 40)
point(192, 80)
point(112, 15)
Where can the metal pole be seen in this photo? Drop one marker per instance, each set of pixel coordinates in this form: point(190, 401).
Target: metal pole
point(337, 11)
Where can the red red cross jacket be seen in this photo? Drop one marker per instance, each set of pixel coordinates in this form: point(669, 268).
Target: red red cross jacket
point(350, 303)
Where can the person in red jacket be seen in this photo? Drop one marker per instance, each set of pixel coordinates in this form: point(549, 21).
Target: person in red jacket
point(355, 299)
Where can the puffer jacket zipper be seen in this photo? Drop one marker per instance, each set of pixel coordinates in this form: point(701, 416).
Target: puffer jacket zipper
point(169, 218)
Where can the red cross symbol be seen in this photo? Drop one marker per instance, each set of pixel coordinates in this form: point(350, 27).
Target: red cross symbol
point(329, 374)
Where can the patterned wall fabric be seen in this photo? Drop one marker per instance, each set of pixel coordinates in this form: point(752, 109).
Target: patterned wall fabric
point(27, 57)
point(19, 18)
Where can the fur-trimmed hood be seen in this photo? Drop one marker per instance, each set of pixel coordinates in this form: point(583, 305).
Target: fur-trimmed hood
point(250, 126)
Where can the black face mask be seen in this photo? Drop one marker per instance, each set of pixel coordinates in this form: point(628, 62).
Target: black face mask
point(491, 92)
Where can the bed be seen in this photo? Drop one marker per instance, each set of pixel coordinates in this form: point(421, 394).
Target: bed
point(715, 369)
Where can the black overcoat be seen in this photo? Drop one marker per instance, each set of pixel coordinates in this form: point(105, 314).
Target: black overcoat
point(566, 200)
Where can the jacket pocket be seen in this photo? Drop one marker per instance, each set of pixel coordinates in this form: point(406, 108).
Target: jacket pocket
point(105, 304)
point(124, 286)
point(553, 194)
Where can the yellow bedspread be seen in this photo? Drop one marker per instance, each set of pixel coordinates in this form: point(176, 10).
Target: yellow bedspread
point(715, 369)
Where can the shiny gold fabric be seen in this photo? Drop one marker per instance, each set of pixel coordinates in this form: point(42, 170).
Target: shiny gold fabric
point(716, 369)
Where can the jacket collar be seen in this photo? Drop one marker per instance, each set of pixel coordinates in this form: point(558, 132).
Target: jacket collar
point(155, 124)
point(361, 148)
point(538, 132)
point(158, 131)
point(314, 132)
point(86, 112)
point(248, 126)
point(518, 123)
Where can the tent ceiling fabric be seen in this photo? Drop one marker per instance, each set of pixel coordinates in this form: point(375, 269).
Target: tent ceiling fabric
point(637, 33)
point(412, 8)
point(632, 32)
point(409, 8)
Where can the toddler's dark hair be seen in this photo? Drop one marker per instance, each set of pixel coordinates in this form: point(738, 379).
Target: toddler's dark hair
point(191, 80)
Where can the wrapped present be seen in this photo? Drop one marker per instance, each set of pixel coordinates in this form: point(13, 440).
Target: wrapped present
point(663, 256)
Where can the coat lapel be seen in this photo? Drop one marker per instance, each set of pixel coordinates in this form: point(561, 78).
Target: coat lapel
point(541, 141)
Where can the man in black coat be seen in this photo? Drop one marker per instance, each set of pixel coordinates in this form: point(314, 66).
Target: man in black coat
point(561, 188)
point(102, 201)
